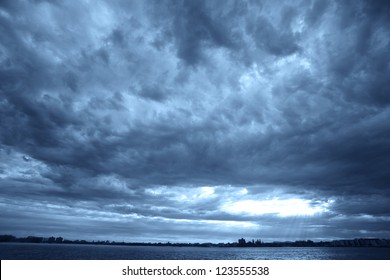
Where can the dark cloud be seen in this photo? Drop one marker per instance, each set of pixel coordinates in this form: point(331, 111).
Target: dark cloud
point(152, 93)
point(168, 116)
point(194, 28)
point(277, 41)
point(316, 11)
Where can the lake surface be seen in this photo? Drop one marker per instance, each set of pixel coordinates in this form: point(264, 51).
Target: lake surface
point(23, 251)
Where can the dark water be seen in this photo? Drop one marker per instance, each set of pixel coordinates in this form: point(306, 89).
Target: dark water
point(19, 251)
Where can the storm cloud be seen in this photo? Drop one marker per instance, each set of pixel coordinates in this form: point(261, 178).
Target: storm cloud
point(195, 120)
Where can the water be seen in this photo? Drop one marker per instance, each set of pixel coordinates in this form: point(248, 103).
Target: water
point(19, 251)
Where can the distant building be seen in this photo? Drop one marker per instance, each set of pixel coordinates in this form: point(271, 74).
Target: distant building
point(241, 242)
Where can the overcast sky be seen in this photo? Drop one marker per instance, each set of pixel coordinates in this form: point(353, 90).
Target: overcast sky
point(195, 120)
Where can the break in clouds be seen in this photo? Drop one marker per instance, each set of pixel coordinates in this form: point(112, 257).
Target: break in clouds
point(195, 120)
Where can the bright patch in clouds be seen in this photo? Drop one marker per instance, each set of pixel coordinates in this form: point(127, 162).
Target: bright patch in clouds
point(182, 194)
point(227, 224)
point(282, 208)
point(206, 192)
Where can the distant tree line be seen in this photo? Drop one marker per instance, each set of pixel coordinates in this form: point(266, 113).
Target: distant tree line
point(357, 242)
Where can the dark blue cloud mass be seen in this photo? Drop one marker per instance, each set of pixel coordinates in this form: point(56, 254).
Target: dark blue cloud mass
point(192, 120)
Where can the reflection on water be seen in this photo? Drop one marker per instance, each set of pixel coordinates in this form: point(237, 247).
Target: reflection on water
point(95, 252)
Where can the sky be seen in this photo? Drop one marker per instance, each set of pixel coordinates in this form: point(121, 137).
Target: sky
point(195, 121)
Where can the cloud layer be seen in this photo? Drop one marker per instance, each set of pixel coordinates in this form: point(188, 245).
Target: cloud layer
point(153, 120)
